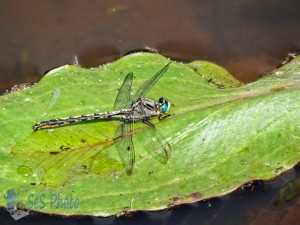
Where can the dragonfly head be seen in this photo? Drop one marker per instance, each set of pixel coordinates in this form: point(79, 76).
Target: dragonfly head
point(164, 105)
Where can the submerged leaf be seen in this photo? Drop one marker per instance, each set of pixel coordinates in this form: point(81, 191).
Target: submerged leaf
point(221, 135)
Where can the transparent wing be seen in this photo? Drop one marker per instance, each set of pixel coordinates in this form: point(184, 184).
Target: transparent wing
point(123, 98)
point(125, 145)
point(155, 143)
point(142, 90)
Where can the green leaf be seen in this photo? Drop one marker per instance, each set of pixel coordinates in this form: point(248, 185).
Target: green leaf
point(221, 134)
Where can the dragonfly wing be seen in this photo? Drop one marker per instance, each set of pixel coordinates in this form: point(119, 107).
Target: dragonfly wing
point(123, 98)
point(155, 143)
point(142, 90)
point(125, 145)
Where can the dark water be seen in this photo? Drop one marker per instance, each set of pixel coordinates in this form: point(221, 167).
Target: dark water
point(248, 38)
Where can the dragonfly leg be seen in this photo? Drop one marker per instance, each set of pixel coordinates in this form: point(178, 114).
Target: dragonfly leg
point(149, 123)
point(161, 117)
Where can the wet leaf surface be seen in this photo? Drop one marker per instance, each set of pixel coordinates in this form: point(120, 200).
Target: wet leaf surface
point(222, 134)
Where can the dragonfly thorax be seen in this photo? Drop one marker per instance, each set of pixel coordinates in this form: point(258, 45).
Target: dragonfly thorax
point(145, 109)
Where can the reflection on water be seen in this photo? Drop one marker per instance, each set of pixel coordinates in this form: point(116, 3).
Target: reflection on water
point(247, 38)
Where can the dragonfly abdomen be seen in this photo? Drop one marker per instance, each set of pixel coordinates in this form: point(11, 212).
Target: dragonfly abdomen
point(64, 121)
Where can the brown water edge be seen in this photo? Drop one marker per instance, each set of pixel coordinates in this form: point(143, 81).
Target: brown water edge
point(247, 38)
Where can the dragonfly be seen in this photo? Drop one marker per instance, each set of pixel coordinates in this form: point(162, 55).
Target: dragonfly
point(130, 110)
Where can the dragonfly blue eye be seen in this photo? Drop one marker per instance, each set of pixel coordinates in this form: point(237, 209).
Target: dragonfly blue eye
point(164, 105)
point(164, 108)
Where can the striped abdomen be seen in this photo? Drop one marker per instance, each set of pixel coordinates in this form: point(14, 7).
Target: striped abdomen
point(63, 121)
